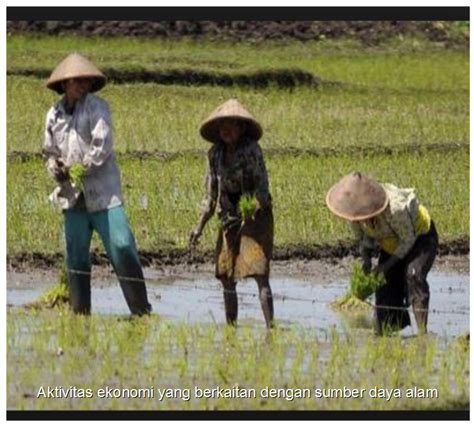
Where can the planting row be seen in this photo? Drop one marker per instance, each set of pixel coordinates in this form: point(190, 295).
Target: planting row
point(163, 197)
point(110, 360)
point(149, 117)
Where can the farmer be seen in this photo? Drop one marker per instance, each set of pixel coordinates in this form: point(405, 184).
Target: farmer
point(78, 131)
point(392, 219)
point(236, 170)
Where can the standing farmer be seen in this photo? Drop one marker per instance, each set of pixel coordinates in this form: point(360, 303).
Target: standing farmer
point(392, 219)
point(79, 132)
point(236, 170)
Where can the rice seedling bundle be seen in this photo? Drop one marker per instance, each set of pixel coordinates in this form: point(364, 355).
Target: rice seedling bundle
point(77, 173)
point(248, 206)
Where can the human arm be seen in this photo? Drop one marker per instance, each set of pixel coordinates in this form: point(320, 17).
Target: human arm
point(383, 268)
point(100, 127)
point(208, 204)
point(54, 163)
point(366, 246)
point(401, 222)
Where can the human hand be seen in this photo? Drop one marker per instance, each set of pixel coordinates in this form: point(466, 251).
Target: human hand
point(60, 171)
point(366, 265)
point(194, 236)
point(384, 267)
point(380, 269)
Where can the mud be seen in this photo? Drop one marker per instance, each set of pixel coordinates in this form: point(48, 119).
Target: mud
point(280, 78)
point(301, 298)
point(324, 151)
point(331, 253)
point(367, 32)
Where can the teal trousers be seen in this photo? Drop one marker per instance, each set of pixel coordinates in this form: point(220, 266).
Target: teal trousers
point(114, 230)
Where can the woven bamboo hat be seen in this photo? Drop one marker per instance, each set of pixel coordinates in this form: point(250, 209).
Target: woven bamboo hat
point(75, 66)
point(231, 109)
point(357, 197)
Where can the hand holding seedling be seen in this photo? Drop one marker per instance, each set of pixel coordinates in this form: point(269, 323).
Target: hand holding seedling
point(363, 284)
point(194, 236)
point(60, 171)
point(366, 264)
point(77, 173)
point(248, 205)
point(384, 267)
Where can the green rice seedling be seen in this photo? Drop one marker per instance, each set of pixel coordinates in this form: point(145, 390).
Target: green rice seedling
point(248, 206)
point(353, 305)
point(177, 184)
point(56, 296)
point(77, 173)
point(154, 357)
point(349, 302)
point(363, 285)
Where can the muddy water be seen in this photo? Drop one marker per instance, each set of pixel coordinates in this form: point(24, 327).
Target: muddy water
point(299, 301)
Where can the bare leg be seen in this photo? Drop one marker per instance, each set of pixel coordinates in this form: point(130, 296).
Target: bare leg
point(419, 295)
point(230, 301)
point(266, 298)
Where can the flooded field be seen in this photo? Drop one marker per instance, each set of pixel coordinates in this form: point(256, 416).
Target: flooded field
point(197, 298)
point(186, 343)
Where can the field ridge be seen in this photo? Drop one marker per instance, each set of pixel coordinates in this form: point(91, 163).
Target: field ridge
point(279, 77)
point(324, 151)
point(175, 256)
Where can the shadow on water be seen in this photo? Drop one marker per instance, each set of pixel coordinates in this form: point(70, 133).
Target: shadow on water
point(298, 301)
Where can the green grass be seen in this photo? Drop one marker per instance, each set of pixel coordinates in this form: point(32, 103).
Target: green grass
point(409, 91)
point(402, 92)
point(56, 295)
point(56, 348)
point(163, 197)
point(153, 117)
point(412, 62)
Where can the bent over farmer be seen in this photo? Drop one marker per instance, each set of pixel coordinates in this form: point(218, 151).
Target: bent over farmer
point(391, 219)
point(79, 134)
point(237, 184)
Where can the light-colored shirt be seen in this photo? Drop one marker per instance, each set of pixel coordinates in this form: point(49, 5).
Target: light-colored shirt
point(85, 137)
point(396, 229)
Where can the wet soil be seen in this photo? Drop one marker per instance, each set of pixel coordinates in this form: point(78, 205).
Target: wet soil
point(303, 291)
point(331, 253)
point(367, 32)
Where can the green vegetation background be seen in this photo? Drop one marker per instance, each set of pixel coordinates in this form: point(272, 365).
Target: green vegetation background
point(410, 96)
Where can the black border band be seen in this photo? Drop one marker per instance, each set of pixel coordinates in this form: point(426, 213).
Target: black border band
point(238, 13)
point(237, 415)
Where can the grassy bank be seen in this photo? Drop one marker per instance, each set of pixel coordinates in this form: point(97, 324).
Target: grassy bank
point(163, 197)
point(100, 351)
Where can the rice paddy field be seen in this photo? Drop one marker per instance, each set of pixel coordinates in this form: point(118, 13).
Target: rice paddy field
point(398, 111)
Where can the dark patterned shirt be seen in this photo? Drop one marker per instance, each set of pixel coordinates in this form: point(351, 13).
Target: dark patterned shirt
point(226, 183)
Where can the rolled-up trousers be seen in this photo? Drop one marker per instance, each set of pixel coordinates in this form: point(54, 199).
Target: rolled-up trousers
point(114, 230)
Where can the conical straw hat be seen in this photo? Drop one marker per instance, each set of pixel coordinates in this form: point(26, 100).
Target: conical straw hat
point(75, 66)
point(357, 197)
point(232, 109)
